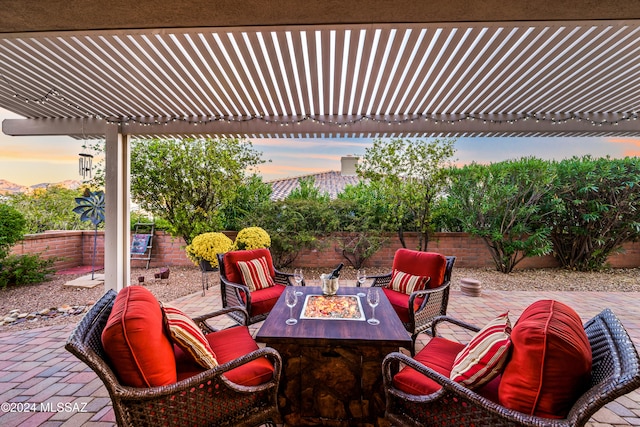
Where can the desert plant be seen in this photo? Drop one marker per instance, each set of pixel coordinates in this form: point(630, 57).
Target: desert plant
point(595, 208)
point(49, 208)
point(252, 238)
point(500, 203)
point(207, 246)
point(24, 269)
point(12, 226)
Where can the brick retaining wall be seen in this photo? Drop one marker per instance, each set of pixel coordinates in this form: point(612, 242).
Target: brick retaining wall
point(74, 248)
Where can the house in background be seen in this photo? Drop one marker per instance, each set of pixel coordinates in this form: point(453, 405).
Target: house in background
point(331, 182)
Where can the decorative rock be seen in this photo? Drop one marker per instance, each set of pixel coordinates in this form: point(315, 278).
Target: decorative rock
point(15, 316)
point(470, 287)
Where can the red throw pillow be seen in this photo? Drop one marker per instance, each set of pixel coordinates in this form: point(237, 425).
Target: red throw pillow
point(484, 357)
point(550, 365)
point(139, 351)
point(407, 283)
point(429, 264)
point(230, 260)
point(255, 274)
point(187, 335)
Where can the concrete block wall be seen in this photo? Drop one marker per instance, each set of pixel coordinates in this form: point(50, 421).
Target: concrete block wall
point(74, 248)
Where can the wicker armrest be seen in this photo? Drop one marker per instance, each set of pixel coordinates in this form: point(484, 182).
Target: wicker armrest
point(441, 319)
point(215, 375)
point(380, 280)
point(283, 278)
point(391, 363)
point(201, 320)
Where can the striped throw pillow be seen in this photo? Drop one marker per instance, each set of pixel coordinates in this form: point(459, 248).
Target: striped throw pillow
point(185, 334)
point(255, 274)
point(486, 354)
point(407, 283)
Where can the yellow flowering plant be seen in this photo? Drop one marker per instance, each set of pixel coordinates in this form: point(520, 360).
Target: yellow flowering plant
point(252, 238)
point(206, 246)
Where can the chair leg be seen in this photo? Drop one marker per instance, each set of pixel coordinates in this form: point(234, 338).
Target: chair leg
point(413, 344)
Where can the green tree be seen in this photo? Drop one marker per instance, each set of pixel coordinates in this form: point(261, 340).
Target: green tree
point(188, 181)
point(500, 203)
point(595, 208)
point(413, 175)
point(12, 227)
point(49, 208)
point(307, 190)
point(295, 225)
point(251, 195)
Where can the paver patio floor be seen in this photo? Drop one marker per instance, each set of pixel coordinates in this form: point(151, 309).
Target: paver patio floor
point(41, 384)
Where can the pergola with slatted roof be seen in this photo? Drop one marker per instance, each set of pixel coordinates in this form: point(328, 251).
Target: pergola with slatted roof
point(313, 70)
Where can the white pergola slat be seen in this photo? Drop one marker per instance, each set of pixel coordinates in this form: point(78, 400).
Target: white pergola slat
point(341, 80)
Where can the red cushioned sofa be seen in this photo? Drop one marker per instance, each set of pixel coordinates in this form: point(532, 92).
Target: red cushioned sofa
point(557, 372)
point(152, 381)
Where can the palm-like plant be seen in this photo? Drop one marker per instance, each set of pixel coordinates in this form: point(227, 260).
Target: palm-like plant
point(91, 208)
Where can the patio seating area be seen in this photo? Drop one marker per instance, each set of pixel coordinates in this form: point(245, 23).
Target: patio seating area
point(44, 385)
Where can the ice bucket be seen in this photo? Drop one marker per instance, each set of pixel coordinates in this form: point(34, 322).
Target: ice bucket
point(329, 286)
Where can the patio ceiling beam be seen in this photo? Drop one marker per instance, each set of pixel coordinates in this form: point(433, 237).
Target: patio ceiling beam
point(451, 124)
point(68, 15)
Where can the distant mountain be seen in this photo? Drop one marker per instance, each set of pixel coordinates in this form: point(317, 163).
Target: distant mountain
point(7, 187)
point(71, 184)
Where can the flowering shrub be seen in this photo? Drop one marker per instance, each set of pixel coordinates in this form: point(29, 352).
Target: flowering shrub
point(206, 246)
point(252, 238)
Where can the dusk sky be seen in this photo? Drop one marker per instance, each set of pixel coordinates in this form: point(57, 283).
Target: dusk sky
point(33, 160)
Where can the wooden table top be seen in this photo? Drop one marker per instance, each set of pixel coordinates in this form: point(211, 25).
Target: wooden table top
point(390, 331)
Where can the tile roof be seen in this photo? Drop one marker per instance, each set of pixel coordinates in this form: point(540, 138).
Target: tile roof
point(331, 182)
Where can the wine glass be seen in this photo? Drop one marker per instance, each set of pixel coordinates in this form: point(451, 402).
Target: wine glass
point(373, 298)
point(291, 299)
point(298, 277)
point(361, 275)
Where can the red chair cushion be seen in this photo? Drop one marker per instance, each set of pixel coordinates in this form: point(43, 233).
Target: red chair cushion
point(400, 303)
point(438, 354)
point(262, 301)
point(418, 263)
point(230, 344)
point(231, 259)
point(550, 365)
point(135, 342)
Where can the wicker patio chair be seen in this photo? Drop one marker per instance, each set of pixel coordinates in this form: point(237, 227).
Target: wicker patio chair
point(236, 294)
point(206, 399)
point(615, 372)
point(434, 299)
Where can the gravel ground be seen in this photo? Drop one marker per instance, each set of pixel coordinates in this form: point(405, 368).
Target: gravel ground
point(63, 305)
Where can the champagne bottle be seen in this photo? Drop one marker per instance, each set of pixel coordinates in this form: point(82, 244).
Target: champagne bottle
point(336, 272)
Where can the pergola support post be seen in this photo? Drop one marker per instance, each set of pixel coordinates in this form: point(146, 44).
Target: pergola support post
point(117, 266)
